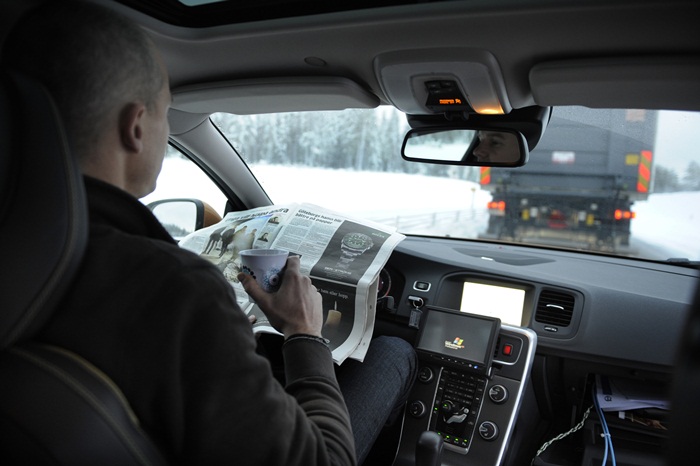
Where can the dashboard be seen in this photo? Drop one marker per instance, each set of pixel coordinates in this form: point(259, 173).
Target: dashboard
point(587, 306)
point(574, 318)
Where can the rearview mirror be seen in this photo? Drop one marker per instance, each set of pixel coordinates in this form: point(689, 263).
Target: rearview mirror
point(461, 146)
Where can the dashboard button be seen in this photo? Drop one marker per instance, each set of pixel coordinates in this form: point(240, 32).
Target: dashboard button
point(421, 286)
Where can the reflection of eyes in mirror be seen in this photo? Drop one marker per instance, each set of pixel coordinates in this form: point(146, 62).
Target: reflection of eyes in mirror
point(464, 146)
point(496, 146)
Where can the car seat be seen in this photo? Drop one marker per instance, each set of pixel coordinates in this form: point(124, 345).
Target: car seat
point(55, 407)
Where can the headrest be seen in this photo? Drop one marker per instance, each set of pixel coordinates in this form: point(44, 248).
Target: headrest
point(43, 213)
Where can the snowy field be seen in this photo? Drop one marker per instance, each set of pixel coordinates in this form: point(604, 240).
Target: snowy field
point(670, 222)
point(667, 225)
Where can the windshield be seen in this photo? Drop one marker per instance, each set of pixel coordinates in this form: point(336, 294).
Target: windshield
point(623, 182)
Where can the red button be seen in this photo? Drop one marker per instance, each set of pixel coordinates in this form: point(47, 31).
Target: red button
point(507, 349)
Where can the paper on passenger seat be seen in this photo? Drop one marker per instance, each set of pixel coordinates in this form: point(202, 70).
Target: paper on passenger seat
point(618, 394)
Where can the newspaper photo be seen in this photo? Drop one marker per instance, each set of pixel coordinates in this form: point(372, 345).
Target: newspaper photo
point(342, 255)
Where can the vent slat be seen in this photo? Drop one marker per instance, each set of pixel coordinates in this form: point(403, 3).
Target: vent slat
point(555, 308)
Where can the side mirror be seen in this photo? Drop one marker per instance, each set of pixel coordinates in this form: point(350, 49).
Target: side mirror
point(463, 146)
point(180, 217)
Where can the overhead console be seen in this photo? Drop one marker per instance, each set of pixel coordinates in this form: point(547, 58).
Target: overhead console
point(408, 78)
point(472, 375)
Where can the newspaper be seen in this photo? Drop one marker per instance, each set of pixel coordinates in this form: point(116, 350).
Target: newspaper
point(342, 255)
point(618, 394)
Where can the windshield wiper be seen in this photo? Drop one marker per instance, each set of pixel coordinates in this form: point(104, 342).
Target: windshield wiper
point(683, 261)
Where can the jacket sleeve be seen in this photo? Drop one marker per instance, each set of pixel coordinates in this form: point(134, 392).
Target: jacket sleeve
point(234, 410)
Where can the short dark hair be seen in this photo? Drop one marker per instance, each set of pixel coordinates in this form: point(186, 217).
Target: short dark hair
point(90, 59)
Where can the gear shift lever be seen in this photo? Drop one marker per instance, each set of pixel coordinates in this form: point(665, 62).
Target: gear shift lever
point(429, 449)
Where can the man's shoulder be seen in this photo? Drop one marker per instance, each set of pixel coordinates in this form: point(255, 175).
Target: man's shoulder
point(178, 254)
point(147, 253)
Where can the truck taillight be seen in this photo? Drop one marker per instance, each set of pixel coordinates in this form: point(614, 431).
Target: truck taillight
point(497, 205)
point(624, 214)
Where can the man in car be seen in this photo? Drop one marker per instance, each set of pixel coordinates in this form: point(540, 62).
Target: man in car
point(158, 320)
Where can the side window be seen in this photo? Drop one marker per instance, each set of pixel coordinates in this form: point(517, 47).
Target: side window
point(182, 178)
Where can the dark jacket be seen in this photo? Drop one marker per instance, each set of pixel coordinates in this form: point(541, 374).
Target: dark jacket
point(164, 325)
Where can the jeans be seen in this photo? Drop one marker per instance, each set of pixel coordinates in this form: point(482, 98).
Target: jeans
point(376, 390)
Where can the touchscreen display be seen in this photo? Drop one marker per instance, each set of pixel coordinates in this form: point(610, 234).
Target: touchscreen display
point(463, 339)
point(494, 301)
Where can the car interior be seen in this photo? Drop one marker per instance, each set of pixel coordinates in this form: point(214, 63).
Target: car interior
point(583, 322)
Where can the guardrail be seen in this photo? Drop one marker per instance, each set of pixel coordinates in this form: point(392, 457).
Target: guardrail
point(408, 223)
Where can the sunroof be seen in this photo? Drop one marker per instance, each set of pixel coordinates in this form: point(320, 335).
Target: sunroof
point(204, 13)
point(199, 2)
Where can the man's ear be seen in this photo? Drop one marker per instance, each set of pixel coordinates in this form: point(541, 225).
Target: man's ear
point(131, 126)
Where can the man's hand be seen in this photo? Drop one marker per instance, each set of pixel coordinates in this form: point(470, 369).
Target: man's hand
point(295, 307)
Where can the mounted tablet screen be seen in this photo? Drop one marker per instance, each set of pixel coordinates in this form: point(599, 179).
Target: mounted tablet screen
point(459, 339)
point(502, 302)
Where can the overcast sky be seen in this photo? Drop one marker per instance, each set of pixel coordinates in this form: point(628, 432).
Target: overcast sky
point(678, 140)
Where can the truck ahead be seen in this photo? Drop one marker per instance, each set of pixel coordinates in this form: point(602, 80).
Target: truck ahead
point(580, 183)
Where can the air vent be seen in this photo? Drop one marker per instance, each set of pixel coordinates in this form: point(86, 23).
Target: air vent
point(555, 308)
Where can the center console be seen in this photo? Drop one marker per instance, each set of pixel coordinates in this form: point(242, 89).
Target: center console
point(472, 375)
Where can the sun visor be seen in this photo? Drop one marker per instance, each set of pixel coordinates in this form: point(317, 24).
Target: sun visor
point(273, 95)
point(407, 76)
point(631, 82)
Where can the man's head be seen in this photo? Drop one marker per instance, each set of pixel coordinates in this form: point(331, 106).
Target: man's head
point(109, 83)
point(497, 146)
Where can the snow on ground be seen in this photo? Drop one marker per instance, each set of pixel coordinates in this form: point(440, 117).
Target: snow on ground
point(667, 223)
point(671, 222)
point(396, 199)
point(366, 193)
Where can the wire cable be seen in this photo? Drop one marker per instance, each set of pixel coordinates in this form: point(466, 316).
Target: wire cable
point(565, 434)
point(606, 432)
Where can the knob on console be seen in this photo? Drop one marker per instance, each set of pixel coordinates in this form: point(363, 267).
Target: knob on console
point(488, 430)
point(498, 394)
point(425, 374)
point(417, 409)
point(447, 407)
